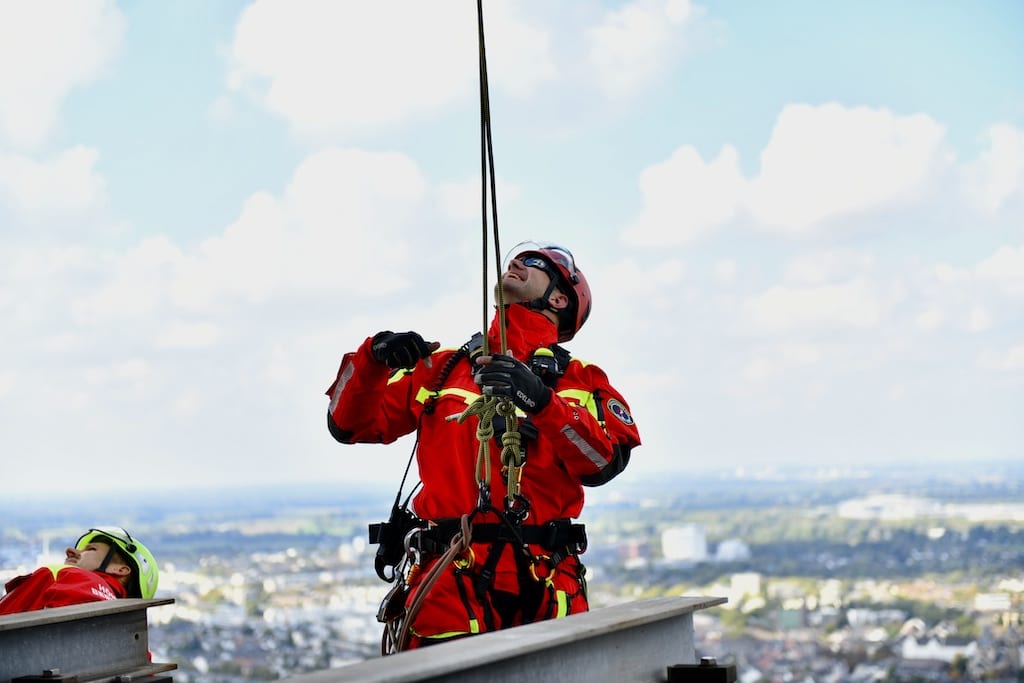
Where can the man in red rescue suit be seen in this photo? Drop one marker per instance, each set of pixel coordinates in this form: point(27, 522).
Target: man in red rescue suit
point(576, 431)
point(104, 564)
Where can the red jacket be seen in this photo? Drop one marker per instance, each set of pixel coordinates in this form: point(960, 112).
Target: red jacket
point(58, 586)
point(585, 432)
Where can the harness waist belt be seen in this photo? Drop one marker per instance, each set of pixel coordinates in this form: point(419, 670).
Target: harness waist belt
point(556, 535)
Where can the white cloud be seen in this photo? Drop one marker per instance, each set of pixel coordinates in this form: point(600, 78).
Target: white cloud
point(519, 55)
point(133, 372)
point(726, 271)
point(48, 48)
point(685, 198)
point(979, 319)
point(8, 381)
point(823, 164)
point(827, 265)
point(335, 228)
point(785, 309)
point(1010, 360)
point(461, 201)
point(930, 319)
point(830, 161)
point(1005, 269)
point(632, 295)
point(328, 66)
point(189, 335)
point(135, 285)
point(766, 367)
point(639, 279)
point(68, 184)
point(950, 275)
point(998, 173)
point(634, 44)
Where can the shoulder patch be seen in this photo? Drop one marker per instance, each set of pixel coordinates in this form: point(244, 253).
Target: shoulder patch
point(616, 408)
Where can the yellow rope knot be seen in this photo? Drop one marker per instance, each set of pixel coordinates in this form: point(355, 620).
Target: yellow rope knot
point(484, 407)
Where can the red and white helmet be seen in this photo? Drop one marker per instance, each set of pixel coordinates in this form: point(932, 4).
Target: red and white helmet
point(561, 268)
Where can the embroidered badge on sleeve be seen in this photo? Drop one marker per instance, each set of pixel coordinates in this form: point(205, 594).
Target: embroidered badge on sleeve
point(618, 410)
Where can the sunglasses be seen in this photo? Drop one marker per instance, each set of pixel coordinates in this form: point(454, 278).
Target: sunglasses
point(536, 262)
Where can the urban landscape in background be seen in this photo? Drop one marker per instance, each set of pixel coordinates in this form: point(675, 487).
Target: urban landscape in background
point(831, 577)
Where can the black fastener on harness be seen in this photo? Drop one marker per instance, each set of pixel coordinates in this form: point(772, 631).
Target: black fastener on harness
point(549, 363)
point(389, 537)
point(556, 535)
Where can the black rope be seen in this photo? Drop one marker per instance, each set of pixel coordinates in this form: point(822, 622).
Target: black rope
point(488, 182)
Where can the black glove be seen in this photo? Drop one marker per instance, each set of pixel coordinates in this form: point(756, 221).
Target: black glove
point(527, 430)
point(505, 376)
point(400, 349)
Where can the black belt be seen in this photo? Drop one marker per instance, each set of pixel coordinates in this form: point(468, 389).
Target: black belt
point(556, 535)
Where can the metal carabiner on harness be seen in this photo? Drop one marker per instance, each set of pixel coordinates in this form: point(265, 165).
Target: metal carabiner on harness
point(414, 552)
point(483, 501)
point(517, 510)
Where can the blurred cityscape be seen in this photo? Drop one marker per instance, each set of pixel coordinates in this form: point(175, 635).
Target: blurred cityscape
point(830, 576)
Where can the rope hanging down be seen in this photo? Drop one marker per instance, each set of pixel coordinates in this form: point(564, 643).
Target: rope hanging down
point(486, 407)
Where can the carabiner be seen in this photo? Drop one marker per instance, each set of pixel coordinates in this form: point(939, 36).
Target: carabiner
point(412, 551)
point(546, 559)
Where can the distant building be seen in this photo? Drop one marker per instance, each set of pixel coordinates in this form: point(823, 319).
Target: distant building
point(684, 543)
point(889, 506)
point(732, 550)
point(937, 650)
point(831, 593)
point(992, 602)
point(744, 584)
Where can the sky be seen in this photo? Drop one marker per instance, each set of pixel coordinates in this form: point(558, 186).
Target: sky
point(802, 222)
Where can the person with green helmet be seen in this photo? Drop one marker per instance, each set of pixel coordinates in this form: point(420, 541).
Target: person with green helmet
point(104, 564)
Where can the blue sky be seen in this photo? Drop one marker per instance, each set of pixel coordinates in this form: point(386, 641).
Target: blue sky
point(803, 223)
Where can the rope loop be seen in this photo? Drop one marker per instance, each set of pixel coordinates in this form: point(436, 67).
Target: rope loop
point(484, 407)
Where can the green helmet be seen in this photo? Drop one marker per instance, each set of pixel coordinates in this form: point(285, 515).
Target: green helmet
point(146, 575)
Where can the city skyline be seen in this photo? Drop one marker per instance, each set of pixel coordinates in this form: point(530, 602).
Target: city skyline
point(803, 225)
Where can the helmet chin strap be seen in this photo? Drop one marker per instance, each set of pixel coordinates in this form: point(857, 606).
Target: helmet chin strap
point(106, 560)
point(541, 303)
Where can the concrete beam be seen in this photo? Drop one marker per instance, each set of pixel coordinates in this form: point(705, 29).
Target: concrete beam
point(636, 641)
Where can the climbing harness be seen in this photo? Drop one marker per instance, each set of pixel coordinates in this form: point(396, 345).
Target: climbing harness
point(406, 541)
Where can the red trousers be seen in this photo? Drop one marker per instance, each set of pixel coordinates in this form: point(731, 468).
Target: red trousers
point(473, 595)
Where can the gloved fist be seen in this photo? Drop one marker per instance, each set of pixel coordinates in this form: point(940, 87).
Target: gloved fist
point(400, 349)
point(501, 375)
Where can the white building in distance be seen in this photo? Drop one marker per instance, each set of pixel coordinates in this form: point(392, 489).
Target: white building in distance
point(684, 543)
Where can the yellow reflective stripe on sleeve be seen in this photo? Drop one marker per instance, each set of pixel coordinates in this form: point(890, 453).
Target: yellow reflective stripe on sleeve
point(584, 399)
point(396, 376)
point(468, 396)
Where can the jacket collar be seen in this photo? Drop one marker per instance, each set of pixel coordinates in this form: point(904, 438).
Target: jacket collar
point(526, 331)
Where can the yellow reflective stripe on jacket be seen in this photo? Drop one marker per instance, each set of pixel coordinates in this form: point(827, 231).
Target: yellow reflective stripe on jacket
point(424, 394)
point(474, 627)
point(563, 604)
point(396, 376)
point(584, 399)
